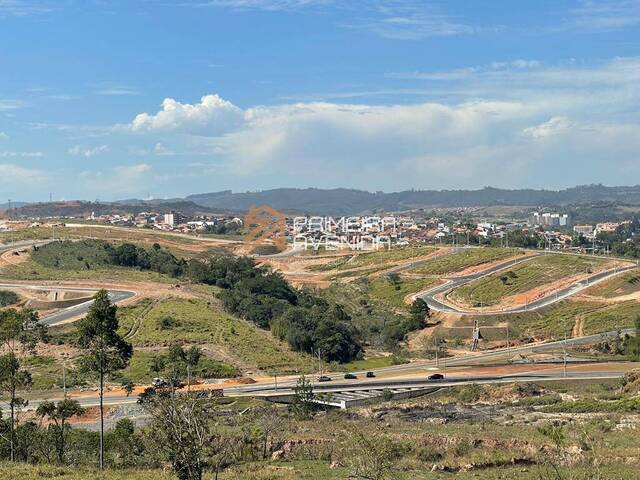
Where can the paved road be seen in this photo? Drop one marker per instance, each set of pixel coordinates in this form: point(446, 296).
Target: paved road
point(5, 247)
point(429, 296)
point(67, 313)
point(449, 381)
point(74, 311)
point(266, 390)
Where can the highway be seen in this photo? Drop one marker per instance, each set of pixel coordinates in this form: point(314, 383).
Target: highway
point(361, 385)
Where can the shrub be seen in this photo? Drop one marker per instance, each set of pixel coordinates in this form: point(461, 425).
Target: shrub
point(8, 298)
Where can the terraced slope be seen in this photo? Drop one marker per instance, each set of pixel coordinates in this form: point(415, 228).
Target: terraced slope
point(526, 276)
point(393, 291)
point(625, 284)
point(371, 259)
point(472, 257)
point(196, 321)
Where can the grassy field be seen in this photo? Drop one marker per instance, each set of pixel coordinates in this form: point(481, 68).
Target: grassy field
point(178, 244)
point(369, 363)
point(617, 286)
point(205, 323)
point(384, 289)
point(32, 270)
point(359, 260)
point(549, 322)
point(521, 278)
point(301, 470)
point(471, 257)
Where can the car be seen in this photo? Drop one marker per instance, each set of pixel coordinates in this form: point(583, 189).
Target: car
point(436, 376)
point(370, 374)
point(159, 382)
point(324, 378)
point(350, 376)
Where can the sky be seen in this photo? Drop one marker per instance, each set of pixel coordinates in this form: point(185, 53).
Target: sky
point(164, 98)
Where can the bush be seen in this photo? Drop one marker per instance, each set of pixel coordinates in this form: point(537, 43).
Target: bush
point(8, 298)
point(167, 323)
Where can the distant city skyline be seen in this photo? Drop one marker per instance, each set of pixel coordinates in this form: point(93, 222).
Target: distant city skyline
point(141, 98)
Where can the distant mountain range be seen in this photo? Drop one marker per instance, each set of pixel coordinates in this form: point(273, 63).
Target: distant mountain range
point(82, 208)
point(342, 201)
point(347, 201)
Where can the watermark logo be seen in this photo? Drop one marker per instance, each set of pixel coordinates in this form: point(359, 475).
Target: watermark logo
point(265, 225)
point(354, 233)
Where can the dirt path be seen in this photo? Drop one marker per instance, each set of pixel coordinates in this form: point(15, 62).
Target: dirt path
point(622, 298)
point(578, 328)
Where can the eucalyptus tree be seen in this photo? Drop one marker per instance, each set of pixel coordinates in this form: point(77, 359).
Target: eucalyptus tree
point(20, 332)
point(106, 351)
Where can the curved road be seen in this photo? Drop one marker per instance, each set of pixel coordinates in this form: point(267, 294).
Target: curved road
point(429, 296)
point(69, 313)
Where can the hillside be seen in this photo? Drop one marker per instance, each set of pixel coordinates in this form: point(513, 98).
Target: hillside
point(344, 201)
point(78, 208)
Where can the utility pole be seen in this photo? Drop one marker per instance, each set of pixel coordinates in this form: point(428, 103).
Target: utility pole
point(508, 344)
point(565, 354)
point(64, 376)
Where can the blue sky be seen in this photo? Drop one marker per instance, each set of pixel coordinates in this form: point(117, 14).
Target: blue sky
point(160, 98)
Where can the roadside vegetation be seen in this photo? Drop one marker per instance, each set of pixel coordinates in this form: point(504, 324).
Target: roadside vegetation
point(519, 431)
point(370, 259)
point(552, 322)
point(620, 285)
point(393, 288)
point(523, 277)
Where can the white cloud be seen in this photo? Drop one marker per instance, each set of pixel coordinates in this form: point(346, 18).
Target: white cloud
point(87, 152)
point(117, 91)
point(550, 128)
point(504, 123)
point(129, 172)
point(21, 8)
point(10, 174)
point(7, 104)
point(605, 15)
point(212, 113)
point(4, 136)
point(8, 154)
point(160, 149)
point(410, 20)
point(268, 5)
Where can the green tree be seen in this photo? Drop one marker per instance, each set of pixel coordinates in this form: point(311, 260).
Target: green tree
point(19, 331)
point(192, 357)
point(420, 310)
point(182, 430)
point(122, 442)
point(157, 364)
point(632, 344)
point(303, 404)
point(58, 414)
point(128, 386)
point(105, 350)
